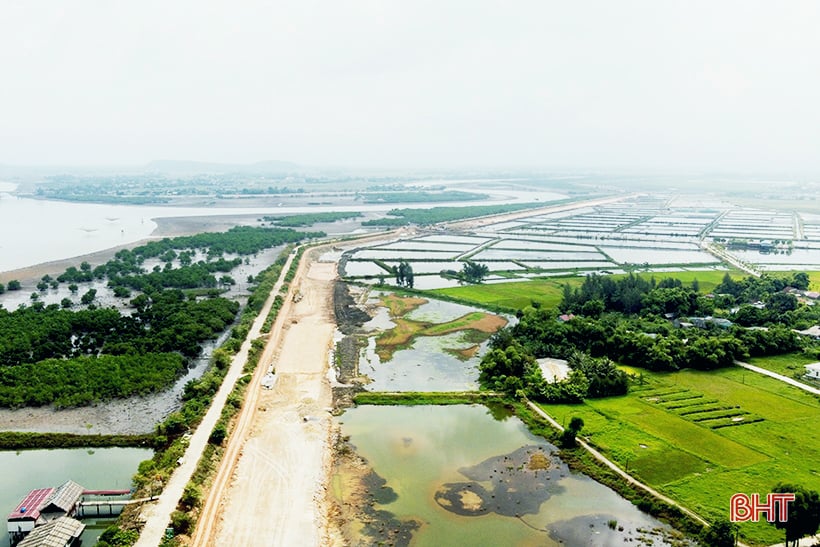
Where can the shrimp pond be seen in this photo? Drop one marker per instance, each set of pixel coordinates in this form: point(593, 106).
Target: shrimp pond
point(473, 475)
point(418, 344)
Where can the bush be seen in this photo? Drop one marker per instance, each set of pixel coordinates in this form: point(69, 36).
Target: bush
point(191, 497)
point(181, 522)
point(218, 434)
point(113, 536)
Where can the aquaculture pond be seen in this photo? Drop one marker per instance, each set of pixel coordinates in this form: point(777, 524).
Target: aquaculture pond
point(468, 475)
point(420, 344)
point(93, 468)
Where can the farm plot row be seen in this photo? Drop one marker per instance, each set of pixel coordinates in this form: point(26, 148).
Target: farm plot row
point(700, 437)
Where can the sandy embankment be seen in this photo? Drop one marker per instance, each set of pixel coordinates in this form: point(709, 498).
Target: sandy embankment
point(278, 491)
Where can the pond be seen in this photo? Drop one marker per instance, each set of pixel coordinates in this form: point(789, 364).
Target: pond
point(380, 253)
point(93, 468)
point(466, 475)
point(469, 240)
point(665, 256)
point(358, 269)
point(412, 360)
point(418, 245)
point(429, 365)
point(797, 257)
point(519, 254)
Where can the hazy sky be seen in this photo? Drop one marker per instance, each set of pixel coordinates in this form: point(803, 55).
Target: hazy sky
point(589, 84)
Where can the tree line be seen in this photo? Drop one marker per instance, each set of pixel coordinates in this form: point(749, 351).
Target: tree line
point(627, 320)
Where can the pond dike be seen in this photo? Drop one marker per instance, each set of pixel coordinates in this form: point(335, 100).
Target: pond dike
point(349, 319)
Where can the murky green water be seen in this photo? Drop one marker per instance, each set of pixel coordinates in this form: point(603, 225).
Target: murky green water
point(426, 366)
point(464, 477)
point(93, 468)
point(430, 363)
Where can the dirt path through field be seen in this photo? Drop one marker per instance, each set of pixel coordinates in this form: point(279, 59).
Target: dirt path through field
point(277, 479)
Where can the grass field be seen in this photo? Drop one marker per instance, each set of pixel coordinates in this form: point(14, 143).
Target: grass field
point(547, 292)
point(514, 295)
point(700, 437)
point(814, 281)
point(788, 365)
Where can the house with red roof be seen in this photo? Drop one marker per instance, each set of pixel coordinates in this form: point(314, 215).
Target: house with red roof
point(42, 506)
point(26, 515)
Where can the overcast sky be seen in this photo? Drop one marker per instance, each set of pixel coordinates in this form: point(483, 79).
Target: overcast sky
point(589, 84)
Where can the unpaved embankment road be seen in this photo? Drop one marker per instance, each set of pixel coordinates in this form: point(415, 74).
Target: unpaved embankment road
point(271, 486)
point(158, 515)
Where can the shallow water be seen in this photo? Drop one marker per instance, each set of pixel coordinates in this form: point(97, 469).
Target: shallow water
point(425, 366)
point(438, 311)
point(35, 231)
point(93, 468)
point(443, 465)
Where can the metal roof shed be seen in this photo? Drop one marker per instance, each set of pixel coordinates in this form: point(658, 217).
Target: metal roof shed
point(62, 502)
point(27, 513)
point(62, 532)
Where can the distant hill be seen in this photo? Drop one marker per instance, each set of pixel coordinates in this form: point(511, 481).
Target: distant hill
point(195, 167)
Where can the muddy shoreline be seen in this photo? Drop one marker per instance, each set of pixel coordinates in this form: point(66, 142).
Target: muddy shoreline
point(134, 415)
point(166, 227)
point(356, 489)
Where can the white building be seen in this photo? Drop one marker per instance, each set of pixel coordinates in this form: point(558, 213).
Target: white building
point(813, 371)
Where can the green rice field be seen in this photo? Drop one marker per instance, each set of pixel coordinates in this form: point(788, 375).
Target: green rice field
point(700, 437)
point(519, 294)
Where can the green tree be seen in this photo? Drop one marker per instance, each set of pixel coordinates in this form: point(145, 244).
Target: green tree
point(89, 296)
point(191, 496)
point(575, 426)
point(506, 369)
point(122, 292)
point(73, 288)
point(218, 434)
point(593, 308)
point(473, 272)
point(114, 536)
point(14, 285)
point(804, 513)
point(404, 274)
point(781, 302)
point(66, 303)
point(720, 534)
point(181, 522)
point(801, 281)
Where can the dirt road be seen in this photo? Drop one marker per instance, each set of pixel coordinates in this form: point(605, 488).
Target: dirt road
point(623, 474)
point(158, 515)
point(776, 376)
point(270, 489)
